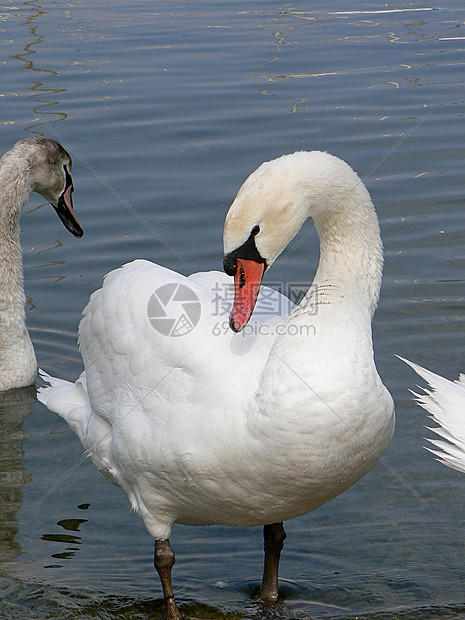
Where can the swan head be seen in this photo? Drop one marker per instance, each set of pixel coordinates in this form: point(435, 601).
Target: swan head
point(271, 207)
point(49, 167)
point(266, 214)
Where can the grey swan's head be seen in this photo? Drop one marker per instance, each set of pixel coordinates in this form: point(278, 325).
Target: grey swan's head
point(47, 166)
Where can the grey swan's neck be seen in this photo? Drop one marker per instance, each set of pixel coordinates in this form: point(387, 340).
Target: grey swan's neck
point(17, 358)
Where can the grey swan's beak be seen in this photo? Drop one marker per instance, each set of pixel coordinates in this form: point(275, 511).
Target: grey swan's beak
point(65, 209)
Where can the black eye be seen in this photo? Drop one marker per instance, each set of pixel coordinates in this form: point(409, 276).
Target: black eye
point(255, 230)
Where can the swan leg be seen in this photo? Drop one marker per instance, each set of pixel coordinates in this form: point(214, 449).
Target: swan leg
point(164, 560)
point(273, 536)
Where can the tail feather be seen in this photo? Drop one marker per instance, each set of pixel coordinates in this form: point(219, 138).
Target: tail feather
point(445, 402)
point(69, 400)
point(454, 462)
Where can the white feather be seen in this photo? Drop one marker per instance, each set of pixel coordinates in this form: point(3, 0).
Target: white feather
point(445, 402)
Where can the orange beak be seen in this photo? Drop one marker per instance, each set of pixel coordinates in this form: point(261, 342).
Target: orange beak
point(247, 280)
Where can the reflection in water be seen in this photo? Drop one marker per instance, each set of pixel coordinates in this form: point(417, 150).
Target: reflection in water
point(15, 406)
point(38, 86)
point(72, 525)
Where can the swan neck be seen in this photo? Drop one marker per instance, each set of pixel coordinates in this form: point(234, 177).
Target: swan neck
point(351, 253)
point(15, 190)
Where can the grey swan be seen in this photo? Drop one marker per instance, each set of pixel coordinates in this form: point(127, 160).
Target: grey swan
point(40, 165)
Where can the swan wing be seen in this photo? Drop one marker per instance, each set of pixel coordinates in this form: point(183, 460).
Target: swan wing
point(150, 382)
point(153, 333)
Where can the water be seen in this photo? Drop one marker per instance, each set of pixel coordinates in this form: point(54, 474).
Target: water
point(166, 107)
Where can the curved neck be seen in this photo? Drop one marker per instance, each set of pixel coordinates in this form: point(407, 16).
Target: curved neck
point(351, 254)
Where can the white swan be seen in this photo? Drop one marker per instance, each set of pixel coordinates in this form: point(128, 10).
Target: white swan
point(214, 427)
point(33, 164)
point(446, 404)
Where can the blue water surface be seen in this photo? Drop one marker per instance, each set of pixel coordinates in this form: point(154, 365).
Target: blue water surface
point(165, 108)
